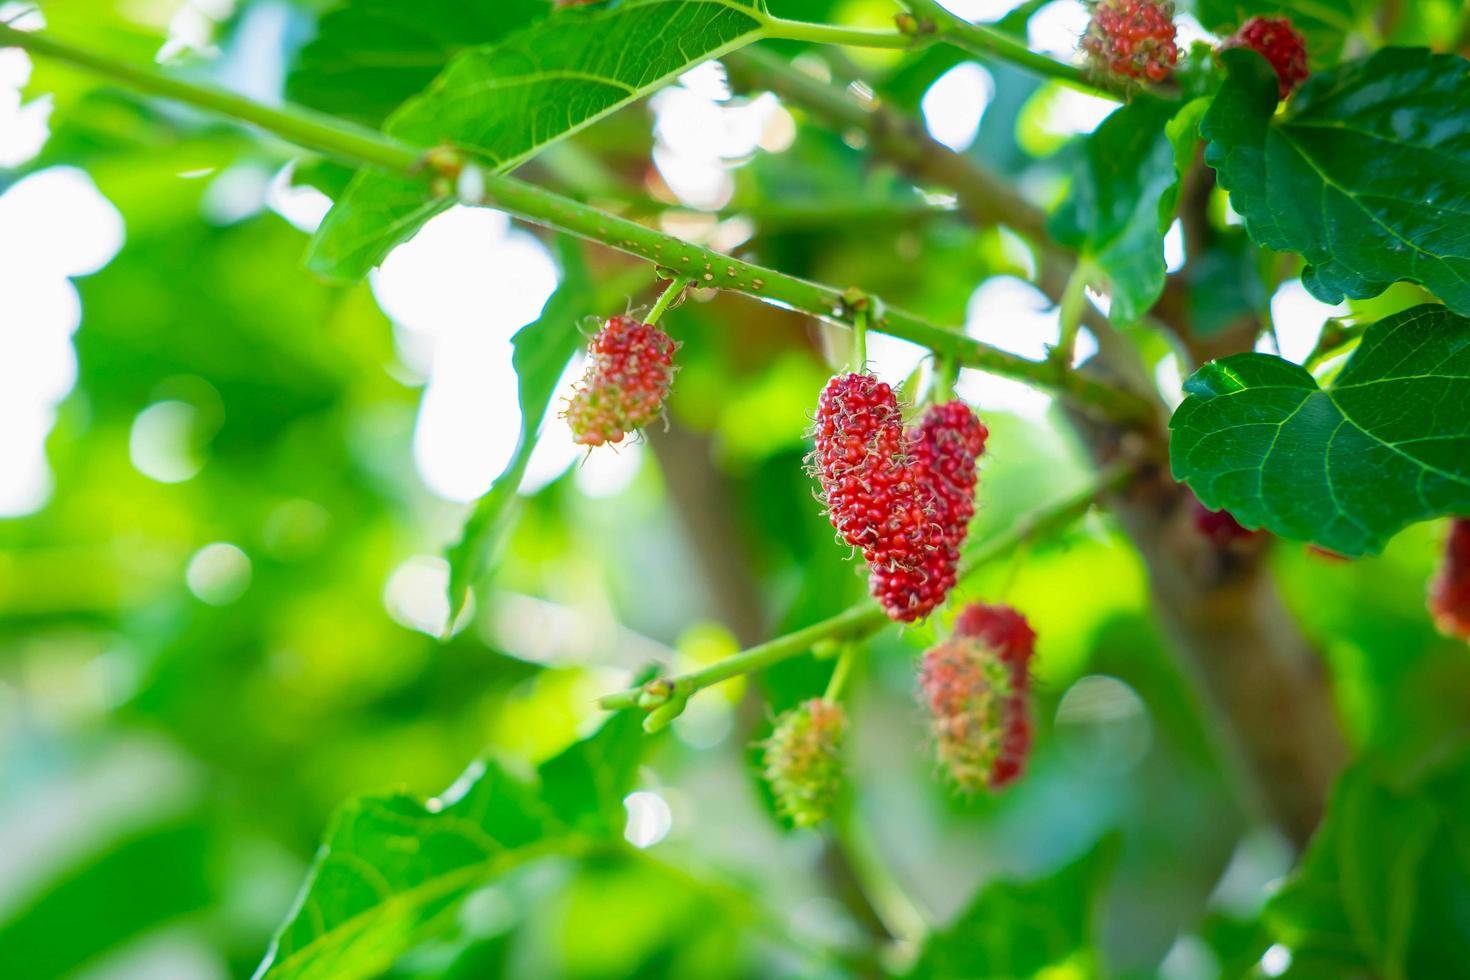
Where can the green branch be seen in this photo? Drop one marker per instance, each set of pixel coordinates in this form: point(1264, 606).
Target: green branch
point(863, 619)
point(708, 268)
point(931, 18)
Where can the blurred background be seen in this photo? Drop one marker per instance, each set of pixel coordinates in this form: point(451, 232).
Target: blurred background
point(226, 487)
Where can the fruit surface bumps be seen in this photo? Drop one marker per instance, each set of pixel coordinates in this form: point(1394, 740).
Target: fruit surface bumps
point(1280, 43)
point(1132, 39)
point(903, 498)
point(803, 761)
point(1449, 590)
point(629, 372)
point(976, 687)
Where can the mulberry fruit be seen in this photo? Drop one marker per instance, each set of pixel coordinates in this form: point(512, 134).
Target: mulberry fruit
point(803, 761)
point(1280, 43)
point(904, 499)
point(1132, 39)
point(630, 370)
point(976, 686)
point(1449, 592)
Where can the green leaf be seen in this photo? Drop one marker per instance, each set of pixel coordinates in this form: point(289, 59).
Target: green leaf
point(164, 872)
point(391, 865)
point(542, 350)
point(504, 102)
point(370, 55)
point(1345, 467)
point(1017, 929)
point(1366, 173)
point(1123, 199)
point(1358, 904)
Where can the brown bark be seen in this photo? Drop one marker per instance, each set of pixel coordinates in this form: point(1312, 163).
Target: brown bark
point(1220, 607)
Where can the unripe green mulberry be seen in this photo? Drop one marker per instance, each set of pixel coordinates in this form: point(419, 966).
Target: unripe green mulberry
point(803, 761)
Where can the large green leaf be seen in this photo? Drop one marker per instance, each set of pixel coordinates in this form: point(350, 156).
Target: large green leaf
point(1387, 443)
point(1384, 889)
point(391, 865)
point(1123, 199)
point(370, 55)
point(506, 101)
point(1018, 929)
point(1366, 173)
point(542, 350)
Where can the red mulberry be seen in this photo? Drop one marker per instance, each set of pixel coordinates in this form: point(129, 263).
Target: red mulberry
point(1280, 43)
point(1449, 592)
point(1132, 39)
point(628, 377)
point(904, 499)
point(1220, 526)
point(944, 449)
point(803, 761)
point(976, 686)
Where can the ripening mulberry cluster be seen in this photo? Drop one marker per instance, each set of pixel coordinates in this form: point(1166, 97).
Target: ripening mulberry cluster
point(1132, 39)
point(1449, 592)
point(803, 761)
point(1220, 526)
point(1280, 43)
point(628, 376)
point(904, 499)
point(976, 686)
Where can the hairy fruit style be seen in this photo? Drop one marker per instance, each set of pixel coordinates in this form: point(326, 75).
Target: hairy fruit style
point(1449, 592)
point(803, 761)
point(1132, 39)
point(904, 499)
point(976, 686)
point(630, 369)
point(1280, 43)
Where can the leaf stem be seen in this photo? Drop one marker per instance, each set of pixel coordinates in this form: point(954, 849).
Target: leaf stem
point(670, 295)
point(841, 672)
point(866, 618)
point(1074, 301)
point(853, 37)
point(707, 267)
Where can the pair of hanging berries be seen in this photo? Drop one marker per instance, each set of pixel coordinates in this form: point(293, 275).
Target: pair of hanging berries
point(1136, 40)
point(903, 498)
point(1449, 591)
point(629, 372)
point(976, 686)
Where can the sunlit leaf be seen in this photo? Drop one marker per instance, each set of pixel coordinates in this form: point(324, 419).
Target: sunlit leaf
point(506, 101)
point(1345, 467)
point(390, 865)
point(370, 55)
point(542, 350)
point(1366, 173)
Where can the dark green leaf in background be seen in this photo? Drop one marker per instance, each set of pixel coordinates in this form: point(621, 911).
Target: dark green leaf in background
point(1123, 198)
point(504, 102)
point(1366, 173)
point(542, 350)
point(1017, 929)
point(1384, 889)
point(370, 55)
point(390, 865)
point(1387, 443)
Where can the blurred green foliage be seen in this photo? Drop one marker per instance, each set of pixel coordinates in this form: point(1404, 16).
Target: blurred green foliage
point(168, 764)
